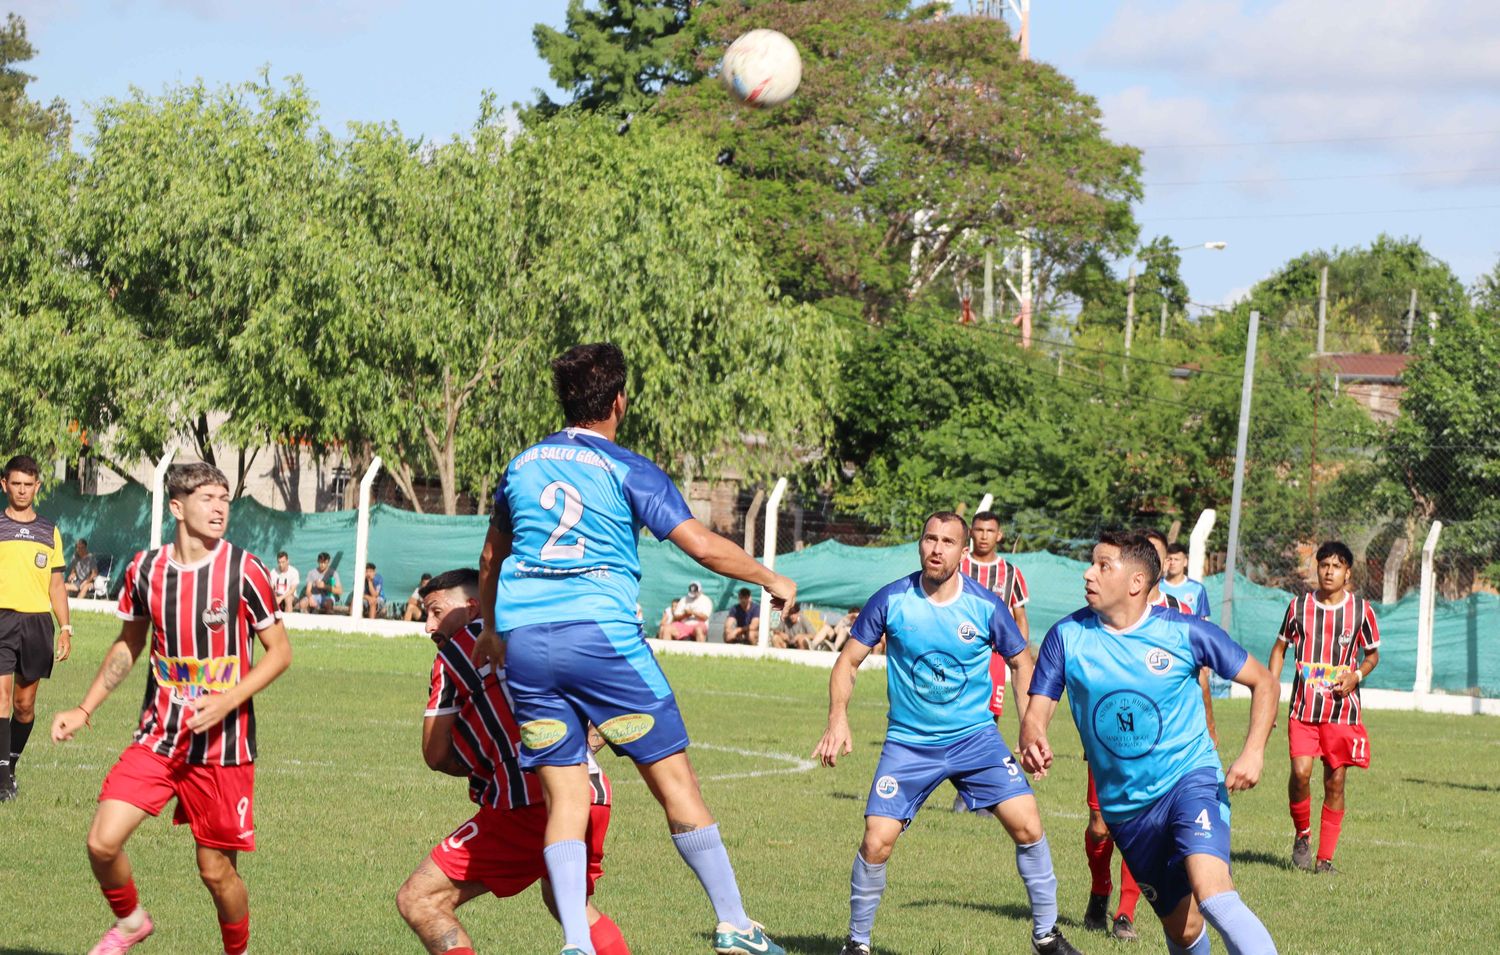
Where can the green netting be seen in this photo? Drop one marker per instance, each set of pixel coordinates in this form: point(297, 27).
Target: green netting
point(829, 575)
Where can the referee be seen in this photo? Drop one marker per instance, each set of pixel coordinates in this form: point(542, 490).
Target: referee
point(31, 593)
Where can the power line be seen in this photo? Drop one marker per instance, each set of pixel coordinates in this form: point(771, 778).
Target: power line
point(1368, 175)
point(1319, 140)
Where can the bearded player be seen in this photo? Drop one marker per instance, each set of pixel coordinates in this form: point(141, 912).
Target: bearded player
point(1328, 630)
point(200, 599)
point(1131, 672)
point(469, 731)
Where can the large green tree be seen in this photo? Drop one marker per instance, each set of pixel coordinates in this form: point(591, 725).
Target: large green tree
point(19, 114)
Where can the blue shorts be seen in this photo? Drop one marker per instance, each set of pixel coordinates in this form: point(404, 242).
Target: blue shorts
point(1192, 818)
point(980, 767)
point(564, 676)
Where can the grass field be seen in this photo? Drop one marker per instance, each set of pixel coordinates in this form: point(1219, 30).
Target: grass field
point(345, 808)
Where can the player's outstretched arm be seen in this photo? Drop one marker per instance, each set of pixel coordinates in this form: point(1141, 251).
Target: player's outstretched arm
point(1265, 694)
point(118, 661)
point(497, 543)
point(725, 557)
point(210, 710)
point(836, 739)
point(1036, 752)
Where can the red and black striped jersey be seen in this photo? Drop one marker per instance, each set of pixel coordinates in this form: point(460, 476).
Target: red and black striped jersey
point(999, 577)
point(203, 620)
point(486, 737)
point(1164, 599)
point(1325, 640)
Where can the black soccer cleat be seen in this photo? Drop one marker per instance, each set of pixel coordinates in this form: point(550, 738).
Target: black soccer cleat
point(851, 947)
point(1325, 867)
point(1302, 854)
point(1124, 929)
point(1053, 943)
point(1096, 916)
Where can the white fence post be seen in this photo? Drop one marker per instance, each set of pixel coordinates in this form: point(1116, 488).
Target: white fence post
point(768, 543)
point(1198, 543)
point(1426, 608)
point(158, 492)
point(362, 540)
point(984, 504)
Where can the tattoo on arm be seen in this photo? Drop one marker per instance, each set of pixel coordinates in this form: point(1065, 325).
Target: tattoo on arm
point(117, 666)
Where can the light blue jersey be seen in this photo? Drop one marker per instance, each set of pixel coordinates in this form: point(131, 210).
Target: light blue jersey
point(937, 657)
point(574, 504)
point(1135, 698)
point(1193, 594)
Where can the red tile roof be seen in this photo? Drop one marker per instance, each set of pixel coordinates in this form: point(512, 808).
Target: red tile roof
point(1357, 367)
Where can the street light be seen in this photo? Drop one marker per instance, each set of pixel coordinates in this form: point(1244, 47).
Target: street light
point(1213, 246)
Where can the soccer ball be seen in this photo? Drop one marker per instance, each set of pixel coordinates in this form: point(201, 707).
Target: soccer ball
point(761, 68)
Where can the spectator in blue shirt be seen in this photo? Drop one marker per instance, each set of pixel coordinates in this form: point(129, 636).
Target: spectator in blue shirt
point(743, 623)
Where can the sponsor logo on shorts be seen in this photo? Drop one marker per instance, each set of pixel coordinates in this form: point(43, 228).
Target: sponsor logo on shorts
point(1147, 891)
point(216, 615)
point(1158, 661)
point(628, 728)
point(885, 787)
point(41, 560)
point(967, 632)
point(540, 734)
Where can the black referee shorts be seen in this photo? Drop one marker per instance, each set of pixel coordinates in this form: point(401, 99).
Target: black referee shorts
point(26, 645)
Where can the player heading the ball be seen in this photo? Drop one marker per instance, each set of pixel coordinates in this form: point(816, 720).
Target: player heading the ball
point(940, 628)
point(200, 599)
point(560, 580)
point(1131, 672)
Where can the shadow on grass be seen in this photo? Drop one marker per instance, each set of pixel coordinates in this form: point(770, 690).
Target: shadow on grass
point(823, 945)
point(6, 950)
point(1010, 910)
point(1256, 857)
point(1471, 787)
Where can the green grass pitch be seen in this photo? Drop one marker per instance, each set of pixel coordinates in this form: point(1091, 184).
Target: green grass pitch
point(345, 809)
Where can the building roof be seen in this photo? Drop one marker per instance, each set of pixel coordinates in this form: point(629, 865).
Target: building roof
point(1364, 367)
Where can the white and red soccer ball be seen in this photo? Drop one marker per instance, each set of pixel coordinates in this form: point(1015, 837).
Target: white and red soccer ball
point(761, 68)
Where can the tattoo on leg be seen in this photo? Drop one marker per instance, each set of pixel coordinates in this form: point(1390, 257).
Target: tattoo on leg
point(678, 828)
point(450, 938)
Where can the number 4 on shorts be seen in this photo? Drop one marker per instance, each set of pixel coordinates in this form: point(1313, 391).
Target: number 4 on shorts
point(1202, 822)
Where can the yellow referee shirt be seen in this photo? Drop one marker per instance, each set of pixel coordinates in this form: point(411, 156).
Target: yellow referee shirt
point(29, 553)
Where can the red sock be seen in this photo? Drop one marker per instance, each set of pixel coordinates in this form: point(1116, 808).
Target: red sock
point(122, 901)
point(1328, 833)
point(459, 951)
point(1099, 854)
point(605, 935)
point(236, 935)
point(1130, 893)
point(1302, 817)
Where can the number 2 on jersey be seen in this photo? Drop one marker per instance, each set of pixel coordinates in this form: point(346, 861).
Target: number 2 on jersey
point(572, 513)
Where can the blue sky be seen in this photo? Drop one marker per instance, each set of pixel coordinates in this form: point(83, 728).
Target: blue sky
point(1274, 125)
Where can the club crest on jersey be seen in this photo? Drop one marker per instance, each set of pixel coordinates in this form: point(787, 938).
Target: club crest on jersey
point(41, 560)
point(1345, 638)
point(886, 787)
point(938, 677)
point(216, 616)
point(1158, 661)
point(967, 632)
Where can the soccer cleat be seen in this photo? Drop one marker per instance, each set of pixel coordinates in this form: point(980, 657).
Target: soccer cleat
point(118, 942)
point(573, 950)
point(729, 940)
point(1096, 916)
point(8, 792)
point(1124, 929)
point(1302, 854)
point(851, 947)
point(1053, 943)
point(1325, 867)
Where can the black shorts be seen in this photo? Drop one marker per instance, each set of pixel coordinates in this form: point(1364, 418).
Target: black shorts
point(26, 645)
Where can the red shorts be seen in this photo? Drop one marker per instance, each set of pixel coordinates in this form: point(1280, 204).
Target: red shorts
point(1093, 797)
point(998, 667)
point(684, 629)
point(217, 801)
point(502, 848)
point(1340, 744)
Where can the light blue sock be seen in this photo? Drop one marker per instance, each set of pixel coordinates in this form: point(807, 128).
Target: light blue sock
point(703, 851)
point(1034, 862)
point(1242, 932)
point(866, 883)
point(1199, 947)
point(567, 865)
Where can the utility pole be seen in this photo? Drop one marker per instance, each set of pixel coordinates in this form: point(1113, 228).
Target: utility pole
point(1129, 321)
point(1431, 328)
point(1248, 383)
point(1162, 334)
point(1022, 10)
point(1411, 317)
point(1322, 306)
point(989, 286)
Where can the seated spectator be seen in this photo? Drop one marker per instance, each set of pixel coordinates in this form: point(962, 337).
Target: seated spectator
point(323, 589)
point(793, 631)
point(82, 570)
point(833, 636)
point(284, 582)
point(374, 595)
point(687, 617)
point(415, 611)
point(743, 623)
